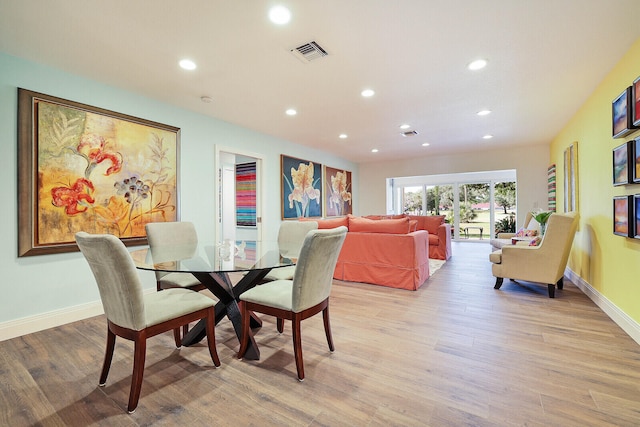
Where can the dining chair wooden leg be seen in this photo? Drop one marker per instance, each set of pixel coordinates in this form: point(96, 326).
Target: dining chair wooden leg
point(327, 327)
point(108, 356)
point(176, 337)
point(280, 324)
point(140, 350)
point(297, 344)
point(211, 336)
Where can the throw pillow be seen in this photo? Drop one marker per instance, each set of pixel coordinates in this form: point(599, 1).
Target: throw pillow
point(523, 232)
point(536, 241)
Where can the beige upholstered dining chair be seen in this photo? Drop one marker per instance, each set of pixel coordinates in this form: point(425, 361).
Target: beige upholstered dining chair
point(133, 315)
point(291, 236)
point(304, 296)
point(173, 241)
point(544, 263)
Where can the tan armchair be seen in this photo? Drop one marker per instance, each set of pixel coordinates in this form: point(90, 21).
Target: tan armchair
point(541, 264)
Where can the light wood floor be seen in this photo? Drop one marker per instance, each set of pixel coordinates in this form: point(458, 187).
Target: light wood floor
point(454, 353)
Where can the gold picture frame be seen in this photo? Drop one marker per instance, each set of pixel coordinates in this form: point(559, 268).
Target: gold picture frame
point(83, 168)
point(571, 178)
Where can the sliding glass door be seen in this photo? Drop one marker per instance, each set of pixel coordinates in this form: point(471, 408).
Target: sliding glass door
point(475, 208)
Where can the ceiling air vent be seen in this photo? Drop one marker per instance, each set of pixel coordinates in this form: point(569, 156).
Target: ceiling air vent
point(409, 133)
point(309, 51)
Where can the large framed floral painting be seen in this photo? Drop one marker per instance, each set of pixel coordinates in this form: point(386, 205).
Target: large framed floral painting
point(337, 183)
point(82, 168)
point(301, 188)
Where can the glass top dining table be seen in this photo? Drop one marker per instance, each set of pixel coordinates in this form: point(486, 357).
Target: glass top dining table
point(211, 264)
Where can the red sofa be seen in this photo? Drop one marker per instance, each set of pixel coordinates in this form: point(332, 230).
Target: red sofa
point(439, 235)
point(382, 252)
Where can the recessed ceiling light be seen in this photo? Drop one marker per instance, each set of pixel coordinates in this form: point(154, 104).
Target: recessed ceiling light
point(291, 112)
point(187, 64)
point(405, 126)
point(426, 144)
point(342, 136)
point(279, 15)
point(478, 64)
point(484, 112)
point(375, 150)
point(487, 137)
point(367, 93)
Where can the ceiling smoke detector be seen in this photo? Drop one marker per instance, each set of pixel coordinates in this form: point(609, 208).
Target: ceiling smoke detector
point(409, 133)
point(309, 51)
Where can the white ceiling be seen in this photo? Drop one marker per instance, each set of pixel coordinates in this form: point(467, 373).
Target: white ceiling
point(545, 58)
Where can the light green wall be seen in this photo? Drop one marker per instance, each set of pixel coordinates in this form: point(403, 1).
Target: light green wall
point(607, 262)
point(33, 286)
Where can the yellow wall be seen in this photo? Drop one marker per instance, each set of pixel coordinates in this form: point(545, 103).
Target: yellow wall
point(609, 263)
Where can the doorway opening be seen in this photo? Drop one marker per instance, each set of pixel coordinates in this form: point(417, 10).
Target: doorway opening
point(238, 181)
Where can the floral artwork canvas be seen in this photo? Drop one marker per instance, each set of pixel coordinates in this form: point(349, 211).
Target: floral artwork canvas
point(301, 188)
point(337, 192)
point(99, 172)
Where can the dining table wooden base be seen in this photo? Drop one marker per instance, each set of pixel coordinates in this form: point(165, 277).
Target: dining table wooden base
point(220, 285)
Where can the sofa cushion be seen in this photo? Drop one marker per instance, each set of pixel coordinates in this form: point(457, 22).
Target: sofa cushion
point(399, 216)
point(429, 222)
point(389, 226)
point(329, 223)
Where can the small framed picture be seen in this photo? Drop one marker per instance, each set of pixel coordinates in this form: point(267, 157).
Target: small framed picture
point(634, 163)
point(622, 214)
point(635, 102)
point(621, 114)
point(621, 161)
point(636, 216)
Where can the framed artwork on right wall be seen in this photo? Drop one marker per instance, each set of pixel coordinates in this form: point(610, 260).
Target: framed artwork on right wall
point(635, 160)
point(621, 115)
point(636, 216)
point(635, 102)
point(621, 161)
point(622, 214)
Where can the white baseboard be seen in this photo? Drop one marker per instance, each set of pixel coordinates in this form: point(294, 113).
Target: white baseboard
point(630, 326)
point(40, 322)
